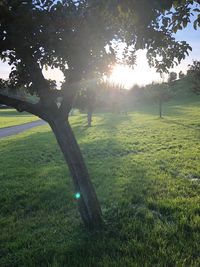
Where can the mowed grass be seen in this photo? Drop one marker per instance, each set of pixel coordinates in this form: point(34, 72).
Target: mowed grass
point(10, 117)
point(146, 172)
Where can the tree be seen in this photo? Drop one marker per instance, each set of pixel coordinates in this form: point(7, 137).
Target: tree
point(114, 97)
point(160, 94)
point(65, 34)
point(172, 76)
point(86, 100)
point(136, 94)
point(51, 36)
point(181, 75)
point(194, 74)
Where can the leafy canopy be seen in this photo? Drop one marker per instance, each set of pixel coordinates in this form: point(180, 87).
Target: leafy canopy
point(80, 37)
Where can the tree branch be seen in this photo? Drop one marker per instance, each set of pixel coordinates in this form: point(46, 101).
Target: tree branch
point(35, 73)
point(21, 105)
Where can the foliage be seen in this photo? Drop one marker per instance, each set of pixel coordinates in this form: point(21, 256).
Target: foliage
point(172, 76)
point(87, 97)
point(86, 100)
point(194, 74)
point(181, 75)
point(51, 34)
point(53, 30)
point(160, 90)
point(114, 97)
point(104, 97)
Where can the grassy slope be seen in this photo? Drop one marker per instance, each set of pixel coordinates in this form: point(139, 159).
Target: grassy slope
point(143, 169)
point(10, 117)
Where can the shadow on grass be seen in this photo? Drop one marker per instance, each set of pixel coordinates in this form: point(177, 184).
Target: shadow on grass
point(40, 222)
point(37, 202)
point(168, 121)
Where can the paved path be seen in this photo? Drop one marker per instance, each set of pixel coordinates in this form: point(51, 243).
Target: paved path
point(4, 132)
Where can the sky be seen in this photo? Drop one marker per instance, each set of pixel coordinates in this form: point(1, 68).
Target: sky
point(142, 73)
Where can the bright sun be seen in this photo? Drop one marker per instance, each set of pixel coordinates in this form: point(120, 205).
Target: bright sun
point(142, 74)
point(122, 75)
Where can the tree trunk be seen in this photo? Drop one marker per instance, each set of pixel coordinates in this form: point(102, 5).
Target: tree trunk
point(88, 204)
point(160, 107)
point(89, 117)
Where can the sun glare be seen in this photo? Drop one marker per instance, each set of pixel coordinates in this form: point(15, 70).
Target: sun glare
point(142, 74)
point(122, 75)
point(127, 77)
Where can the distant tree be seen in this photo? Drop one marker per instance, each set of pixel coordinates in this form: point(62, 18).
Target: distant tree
point(181, 75)
point(91, 101)
point(135, 93)
point(118, 99)
point(194, 75)
point(172, 76)
point(3, 83)
point(86, 99)
point(124, 101)
point(159, 93)
point(114, 97)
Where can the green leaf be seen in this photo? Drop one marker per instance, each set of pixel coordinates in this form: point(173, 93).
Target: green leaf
point(195, 24)
point(196, 10)
point(185, 23)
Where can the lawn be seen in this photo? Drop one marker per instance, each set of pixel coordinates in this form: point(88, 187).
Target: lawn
point(10, 117)
point(147, 175)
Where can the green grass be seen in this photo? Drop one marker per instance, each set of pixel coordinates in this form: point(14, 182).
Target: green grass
point(146, 172)
point(10, 117)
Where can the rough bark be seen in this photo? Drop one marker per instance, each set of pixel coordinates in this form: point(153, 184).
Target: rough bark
point(87, 203)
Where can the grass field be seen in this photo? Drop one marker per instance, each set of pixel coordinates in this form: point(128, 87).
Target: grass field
point(10, 117)
point(146, 172)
